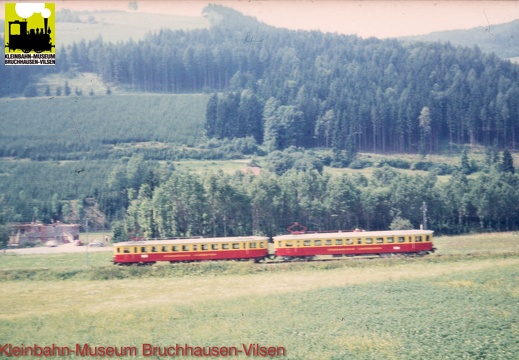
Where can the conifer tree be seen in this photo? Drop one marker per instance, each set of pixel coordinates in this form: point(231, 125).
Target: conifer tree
point(507, 163)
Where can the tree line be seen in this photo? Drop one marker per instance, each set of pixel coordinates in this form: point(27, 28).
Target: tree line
point(218, 204)
point(137, 198)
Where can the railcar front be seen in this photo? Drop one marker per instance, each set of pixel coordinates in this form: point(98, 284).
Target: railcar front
point(337, 244)
point(192, 249)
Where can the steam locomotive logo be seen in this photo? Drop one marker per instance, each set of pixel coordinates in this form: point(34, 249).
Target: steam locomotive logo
point(29, 27)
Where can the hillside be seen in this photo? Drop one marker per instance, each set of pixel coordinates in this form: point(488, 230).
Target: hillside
point(119, 26)
point(304, 99)
point(500, 39)
point(345, 93)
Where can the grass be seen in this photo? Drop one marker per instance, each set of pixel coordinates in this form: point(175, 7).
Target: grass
point(11, 261)
point(114, 26)
point(489, 243)
point(494, 246)
point(85, 82)
point(476, 153)
point(94, 236)
point(438, 307)
point(202, 166)
point(412, 311)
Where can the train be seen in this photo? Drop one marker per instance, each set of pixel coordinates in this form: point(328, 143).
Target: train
point(298, 245)
point(21, 38)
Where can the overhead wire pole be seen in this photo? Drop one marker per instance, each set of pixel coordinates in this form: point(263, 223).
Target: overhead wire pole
point(424, 213)
point(86, 242)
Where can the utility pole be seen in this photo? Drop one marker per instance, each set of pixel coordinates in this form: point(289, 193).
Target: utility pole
point(86, 242)
point(424, 213)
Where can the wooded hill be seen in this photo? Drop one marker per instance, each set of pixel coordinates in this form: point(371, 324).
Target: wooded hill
point(500, 39)
point(312, 89)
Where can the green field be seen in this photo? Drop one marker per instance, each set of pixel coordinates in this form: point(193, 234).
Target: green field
point(88, 123)
point(115, 26)
point(439, 307)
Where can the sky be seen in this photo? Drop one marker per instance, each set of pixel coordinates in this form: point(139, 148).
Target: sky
point(381, 19)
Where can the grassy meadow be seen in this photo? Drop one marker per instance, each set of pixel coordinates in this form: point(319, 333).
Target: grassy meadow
point(438, 307)
point(115, 26)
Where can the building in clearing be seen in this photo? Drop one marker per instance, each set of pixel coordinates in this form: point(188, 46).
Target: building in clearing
point(23, 234)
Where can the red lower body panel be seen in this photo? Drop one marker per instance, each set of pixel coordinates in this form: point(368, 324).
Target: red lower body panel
point(190, 256)
point(354, 249)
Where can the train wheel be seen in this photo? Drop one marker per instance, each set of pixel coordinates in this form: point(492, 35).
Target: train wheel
point(38, 51)
point(26, 50)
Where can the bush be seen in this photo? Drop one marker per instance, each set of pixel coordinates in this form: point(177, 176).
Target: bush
point(396, 163)
point(399, 223)
point(360, 164)
point(443, 169)
point(423, 165)
point(293, 158)
point(31, 91)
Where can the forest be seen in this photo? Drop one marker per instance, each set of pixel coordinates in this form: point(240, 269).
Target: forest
point(343, 92)
point(218, 204)
point(140, 198)
point(293, 102)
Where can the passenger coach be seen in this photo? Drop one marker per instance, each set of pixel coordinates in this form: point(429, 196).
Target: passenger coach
point(382, 243)
point(226, 248)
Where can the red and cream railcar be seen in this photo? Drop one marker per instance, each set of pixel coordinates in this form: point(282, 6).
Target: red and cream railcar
point(225, 248)
point(382, 243)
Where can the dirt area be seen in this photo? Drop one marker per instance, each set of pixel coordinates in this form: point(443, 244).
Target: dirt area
point(65, 248)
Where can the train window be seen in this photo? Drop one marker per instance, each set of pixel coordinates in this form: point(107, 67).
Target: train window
point(235, 246)
point(252, 245)
point(318, 242)
point(126, 251)
point(135, 250)
point(418, 239)
point(164, 249)
point(390, 240)
point(279, 243)
point(349, 241)
point(328, 242)
point(214, 246)
point(174, 248)
point(195, 247)
point(185, 248)
point(153, 249)
point(359, 241)
point(144, 249)
point(380, 240)
point(369, 240)
point(262, 245)
point(288, 244)
point(225, 246)
point(307, 243)
point(205, 247)
point(338, 242)
point(118, 250)
point(401, 239)
point(427, 238)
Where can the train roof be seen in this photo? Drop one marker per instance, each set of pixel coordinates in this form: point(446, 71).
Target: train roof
point(353, 234)
point(200, 240)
